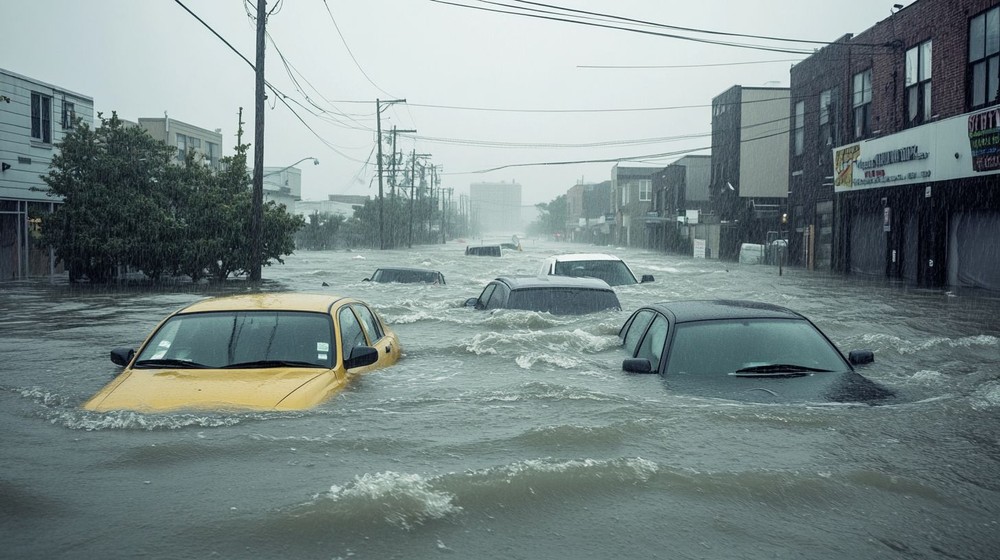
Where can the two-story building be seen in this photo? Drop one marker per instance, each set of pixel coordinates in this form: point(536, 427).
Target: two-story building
point(206, 144)
point(682, 205)
point(34, 117)
point(631, 203)
point(910, 110)
point(588, 211)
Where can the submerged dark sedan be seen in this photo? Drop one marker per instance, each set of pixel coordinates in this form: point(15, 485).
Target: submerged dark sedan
point(744, 350)
point(548, 294)
point(405, 275)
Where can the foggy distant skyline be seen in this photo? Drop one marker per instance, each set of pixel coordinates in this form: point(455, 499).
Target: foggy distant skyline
point(493, 96)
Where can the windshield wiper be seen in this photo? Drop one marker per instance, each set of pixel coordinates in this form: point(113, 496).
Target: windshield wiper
point(170, 362)
point(272, 363)
point(776, 370)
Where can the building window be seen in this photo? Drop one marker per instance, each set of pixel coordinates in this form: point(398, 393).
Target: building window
point(828, 117)
point(984, 58)
point(800, 131)
point(646, 190)
point(68, 115)
point(918, 83)
point(625, 189)
point(181, 146)
point(863, 104)
point(41, 117)
point(212, 153)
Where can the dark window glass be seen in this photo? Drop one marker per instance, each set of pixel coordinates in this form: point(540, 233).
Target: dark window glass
point(351, 334)
point(918, 83)
point(485, 296)
point(651, 347)
point(636, 328)
point(984, 58)
point(407, 276)
point(41, 117)
point(371, 323)
point(724, 346)
point(498, 297)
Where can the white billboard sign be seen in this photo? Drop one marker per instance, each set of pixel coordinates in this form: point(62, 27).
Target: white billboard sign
point(964, 146)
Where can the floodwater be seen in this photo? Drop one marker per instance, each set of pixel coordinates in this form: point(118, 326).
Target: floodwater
point(508, 435)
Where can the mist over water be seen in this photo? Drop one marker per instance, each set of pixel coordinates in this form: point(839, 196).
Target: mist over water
point(507, 435)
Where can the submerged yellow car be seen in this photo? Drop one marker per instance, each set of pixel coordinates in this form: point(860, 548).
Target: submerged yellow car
point(278, 351)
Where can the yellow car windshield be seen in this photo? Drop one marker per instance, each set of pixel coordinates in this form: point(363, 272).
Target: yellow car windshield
point(241, 339)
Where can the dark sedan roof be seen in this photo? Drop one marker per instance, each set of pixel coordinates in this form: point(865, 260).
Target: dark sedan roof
point(532, 282)
point(704, 310)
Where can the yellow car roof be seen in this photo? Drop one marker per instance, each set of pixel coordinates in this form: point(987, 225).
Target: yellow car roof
point(268, 301)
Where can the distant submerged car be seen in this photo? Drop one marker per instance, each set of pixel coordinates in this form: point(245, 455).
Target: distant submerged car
point(406, 275)
point(559, 296)
point(609, 268)
point(278, 351)
point(744, 350)
point(484, 251)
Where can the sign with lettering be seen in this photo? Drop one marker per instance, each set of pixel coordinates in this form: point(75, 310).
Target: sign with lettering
point(964, 146)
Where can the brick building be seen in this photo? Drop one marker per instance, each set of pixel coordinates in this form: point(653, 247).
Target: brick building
point(894, 151)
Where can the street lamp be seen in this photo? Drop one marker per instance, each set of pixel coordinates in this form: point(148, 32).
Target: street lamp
point(315, 162)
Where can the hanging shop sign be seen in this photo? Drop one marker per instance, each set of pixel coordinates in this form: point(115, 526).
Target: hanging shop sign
point(964, 146)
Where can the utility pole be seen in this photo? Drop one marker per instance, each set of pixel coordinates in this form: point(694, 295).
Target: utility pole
point(413, 180)
point(257, 204)
point(239, 129)
point(395, 131)
point(381, 198)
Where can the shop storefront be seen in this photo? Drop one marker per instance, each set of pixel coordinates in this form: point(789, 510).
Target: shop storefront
point(922, 205)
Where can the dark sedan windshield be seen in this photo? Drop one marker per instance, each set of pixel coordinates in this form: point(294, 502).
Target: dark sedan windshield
point(615, 273)
point(728, 346)
point(407, 276)
point(223, 338)
point(563, 301)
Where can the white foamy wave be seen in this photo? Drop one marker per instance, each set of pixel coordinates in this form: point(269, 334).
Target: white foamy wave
point(559, 346)
point(904, 346)
point(404, 499)
point(629, 468)
point(986, 397)
point(928, 376)
point(558, 360)
point(128, 420)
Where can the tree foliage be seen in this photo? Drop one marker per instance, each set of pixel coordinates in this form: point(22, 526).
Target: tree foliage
point(127, 205)
point(552, 217)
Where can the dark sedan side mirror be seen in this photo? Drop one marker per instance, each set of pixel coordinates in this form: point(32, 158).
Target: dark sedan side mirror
point(122, 356)
point(361, 356)
point(637, 365)
point(471, 302)
point(646, 278)
point(861, 357)
point(367, 280)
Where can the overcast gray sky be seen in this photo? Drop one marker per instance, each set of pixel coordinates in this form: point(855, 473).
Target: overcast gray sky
point(485, 90)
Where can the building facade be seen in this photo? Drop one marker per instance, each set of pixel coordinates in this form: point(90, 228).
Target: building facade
point(34, 117)
point(588, 213)
point(206, 144)
point(631, 203)
point(910, 110)
point(283, 185)
point(496, 207)
point(749, 178)
point(682, 204)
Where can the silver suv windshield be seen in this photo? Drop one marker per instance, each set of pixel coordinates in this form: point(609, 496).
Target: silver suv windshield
point(615, 273)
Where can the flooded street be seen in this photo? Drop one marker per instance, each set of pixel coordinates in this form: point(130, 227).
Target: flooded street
point(507, 435)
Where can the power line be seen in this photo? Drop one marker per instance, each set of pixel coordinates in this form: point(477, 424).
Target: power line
point(674, 66)
point(631, 30)
point(346, 46)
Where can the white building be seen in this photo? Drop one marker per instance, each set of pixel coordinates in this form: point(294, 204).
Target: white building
point(34, 117)
point(207, 144)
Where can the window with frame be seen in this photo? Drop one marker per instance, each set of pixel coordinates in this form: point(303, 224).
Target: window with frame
point(984, 58)
point(918, 84)
point(862, 104)
point(625, 188)
point(68, 115)
point(212, 153)
point(800, 131)
point(645, 190)
point(41, 117)
point(828, 117)
point(181, 146)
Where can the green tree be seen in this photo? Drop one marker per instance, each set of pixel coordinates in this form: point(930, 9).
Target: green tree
point(552, 217)
point(114, 182)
